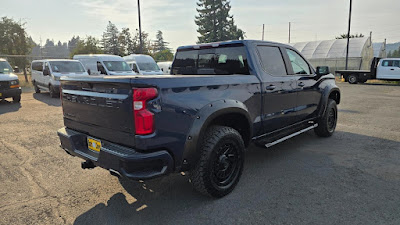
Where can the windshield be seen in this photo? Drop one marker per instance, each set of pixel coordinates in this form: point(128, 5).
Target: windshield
point(117, 66)
point(5, 67)
point(67, 67)
point(148, 66)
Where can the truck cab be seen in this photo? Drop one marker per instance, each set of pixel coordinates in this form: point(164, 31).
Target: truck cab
point(388, 69)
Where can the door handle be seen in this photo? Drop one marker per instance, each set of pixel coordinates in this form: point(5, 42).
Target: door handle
point(391, 69)
point(301, 84)
point(271, 87)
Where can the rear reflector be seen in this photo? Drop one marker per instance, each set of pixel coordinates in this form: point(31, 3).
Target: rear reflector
point(144, 119)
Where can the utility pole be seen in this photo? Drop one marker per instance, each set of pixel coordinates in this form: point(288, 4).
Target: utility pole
point(263, 32)
point(289, 30)
point(140, 29)
point(348, 36)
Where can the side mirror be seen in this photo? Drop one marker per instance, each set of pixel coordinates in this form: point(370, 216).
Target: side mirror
point(89, 72)
point(46, 72)
point(323, 70)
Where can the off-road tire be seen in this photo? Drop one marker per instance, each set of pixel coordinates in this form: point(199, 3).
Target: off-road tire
point(17, 99)
point(210, 169)
point(353, 79)
point(37, 89)
point(327, 123)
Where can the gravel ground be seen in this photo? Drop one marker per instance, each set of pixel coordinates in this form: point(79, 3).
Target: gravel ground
point(350, 178)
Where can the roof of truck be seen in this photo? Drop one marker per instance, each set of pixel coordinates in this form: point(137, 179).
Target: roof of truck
point(235, 42)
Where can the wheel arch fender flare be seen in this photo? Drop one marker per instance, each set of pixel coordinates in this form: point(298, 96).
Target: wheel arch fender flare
point(203, 120)
point(327, 92)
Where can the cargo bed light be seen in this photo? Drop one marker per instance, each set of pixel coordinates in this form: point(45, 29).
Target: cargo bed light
point(144, 119)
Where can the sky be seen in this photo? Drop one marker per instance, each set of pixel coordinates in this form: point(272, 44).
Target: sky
point(311, 19)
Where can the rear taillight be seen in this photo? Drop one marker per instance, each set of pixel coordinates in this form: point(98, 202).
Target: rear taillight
point(144, 119)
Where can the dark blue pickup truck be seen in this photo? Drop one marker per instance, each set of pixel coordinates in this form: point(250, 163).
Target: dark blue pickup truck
point(219, 98)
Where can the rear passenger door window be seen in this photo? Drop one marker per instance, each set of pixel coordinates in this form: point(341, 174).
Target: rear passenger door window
point(299, 65)
point(272, 60)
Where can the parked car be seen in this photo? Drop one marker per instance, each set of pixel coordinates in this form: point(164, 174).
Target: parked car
point(100, 64)
point(222, 97)
point(143, 64)
point(381, 69)
point(165, 67)
point(9, 83)
point(46, 73)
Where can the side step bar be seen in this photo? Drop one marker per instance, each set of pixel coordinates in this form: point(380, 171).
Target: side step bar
point(290, 136)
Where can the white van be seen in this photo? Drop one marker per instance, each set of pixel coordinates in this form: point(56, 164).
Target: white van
point(46, 73)
point(9, 83)
point(388, 69)
point(165, 67)
point(143, 64)
point(101, 64)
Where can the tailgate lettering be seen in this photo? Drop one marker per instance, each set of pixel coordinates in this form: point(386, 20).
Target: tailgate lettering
point(101, 102)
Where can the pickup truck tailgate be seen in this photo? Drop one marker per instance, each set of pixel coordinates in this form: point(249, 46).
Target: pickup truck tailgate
point(100, 107)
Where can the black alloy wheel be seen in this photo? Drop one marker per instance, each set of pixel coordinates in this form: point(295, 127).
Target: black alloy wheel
point(220, 166)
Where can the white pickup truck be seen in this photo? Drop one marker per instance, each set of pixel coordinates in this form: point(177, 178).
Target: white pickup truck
point(381, 69)
point(9, 83)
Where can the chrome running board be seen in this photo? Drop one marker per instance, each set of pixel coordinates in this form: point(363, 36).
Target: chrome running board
point(290, 136)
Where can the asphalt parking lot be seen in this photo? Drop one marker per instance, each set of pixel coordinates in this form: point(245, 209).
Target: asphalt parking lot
point(350, 178)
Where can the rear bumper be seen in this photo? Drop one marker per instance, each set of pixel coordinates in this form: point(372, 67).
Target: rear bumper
point(9, 93)
point(126, 161)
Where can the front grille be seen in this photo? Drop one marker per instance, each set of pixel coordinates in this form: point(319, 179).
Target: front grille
point(4, 85)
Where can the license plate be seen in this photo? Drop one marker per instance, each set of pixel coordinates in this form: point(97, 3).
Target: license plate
point(94, 144)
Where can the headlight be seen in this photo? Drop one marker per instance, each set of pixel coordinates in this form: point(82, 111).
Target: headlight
point(14, 82)
point(57, 78)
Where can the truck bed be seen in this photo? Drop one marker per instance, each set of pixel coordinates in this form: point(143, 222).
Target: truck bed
point(352, 71)
point(101, 106)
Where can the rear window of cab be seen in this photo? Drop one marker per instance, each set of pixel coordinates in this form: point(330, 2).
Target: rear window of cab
point(229, 60)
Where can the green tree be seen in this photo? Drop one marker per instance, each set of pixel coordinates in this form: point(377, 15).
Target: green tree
point(159, 43)
point(88, 46)
point(344, 36)
point(14, 41)
point(127, 46)
point(165, 55)
point(49, 43)
point(215, 23)
point(147, 48)
point(396, 53)
point(110, 42)
point(73, 43)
